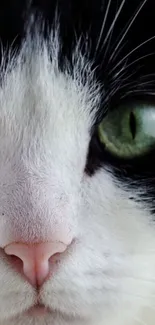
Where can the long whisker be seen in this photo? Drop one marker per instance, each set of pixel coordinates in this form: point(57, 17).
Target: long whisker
point(118, 51)
point(113, 23)
point(133, 62)
point(149, 75)
point(132, 51)
point(109, 43)
point(148, 92)
point(127, 29)
point(103, 25)
point(138, 87)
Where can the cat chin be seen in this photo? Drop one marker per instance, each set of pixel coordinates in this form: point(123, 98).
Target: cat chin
point(40, 315)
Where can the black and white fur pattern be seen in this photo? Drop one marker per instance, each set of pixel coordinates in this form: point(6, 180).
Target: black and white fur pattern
point(64, 64)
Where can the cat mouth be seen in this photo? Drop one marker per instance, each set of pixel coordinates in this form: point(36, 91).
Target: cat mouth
point(38, 310)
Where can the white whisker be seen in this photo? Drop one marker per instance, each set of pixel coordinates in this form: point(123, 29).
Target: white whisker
point(132, 63)
point(138, 91)
point(136, 84)
point(127, 29)
point(132, 51)
point(103, 25)
point(109, 43)
point(113, 23)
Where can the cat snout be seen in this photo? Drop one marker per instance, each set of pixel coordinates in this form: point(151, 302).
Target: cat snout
point(35, 261)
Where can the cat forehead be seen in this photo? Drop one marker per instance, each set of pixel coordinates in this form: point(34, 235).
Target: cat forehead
point(44, 107)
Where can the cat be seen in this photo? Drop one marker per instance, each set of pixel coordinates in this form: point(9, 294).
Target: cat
point(77, 167)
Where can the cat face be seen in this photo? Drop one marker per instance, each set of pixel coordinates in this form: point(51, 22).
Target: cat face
point(77, 162)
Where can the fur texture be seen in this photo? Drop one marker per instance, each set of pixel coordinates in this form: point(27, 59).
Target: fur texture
point(54, 183)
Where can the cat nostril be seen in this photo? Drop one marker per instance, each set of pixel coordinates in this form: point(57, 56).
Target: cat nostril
point(33, 261)
point(16, 262)
point(55, 259)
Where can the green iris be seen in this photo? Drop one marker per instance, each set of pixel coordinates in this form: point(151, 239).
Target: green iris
point(128, 132)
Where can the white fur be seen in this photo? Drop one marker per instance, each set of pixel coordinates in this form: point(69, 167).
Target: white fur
point(107, 276)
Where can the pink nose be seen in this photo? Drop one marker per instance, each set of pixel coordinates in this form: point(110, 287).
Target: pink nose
point(35, 259)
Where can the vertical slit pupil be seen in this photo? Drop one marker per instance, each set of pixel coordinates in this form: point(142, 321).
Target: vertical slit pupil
point(132, 122)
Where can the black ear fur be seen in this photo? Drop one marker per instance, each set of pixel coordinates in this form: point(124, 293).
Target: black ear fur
point(78, 18)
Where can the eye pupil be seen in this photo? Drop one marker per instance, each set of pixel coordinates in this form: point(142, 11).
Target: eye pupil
point(128, 132)
point(132, 122)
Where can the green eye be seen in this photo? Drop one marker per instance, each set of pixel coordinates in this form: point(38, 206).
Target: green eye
point(129, 131)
